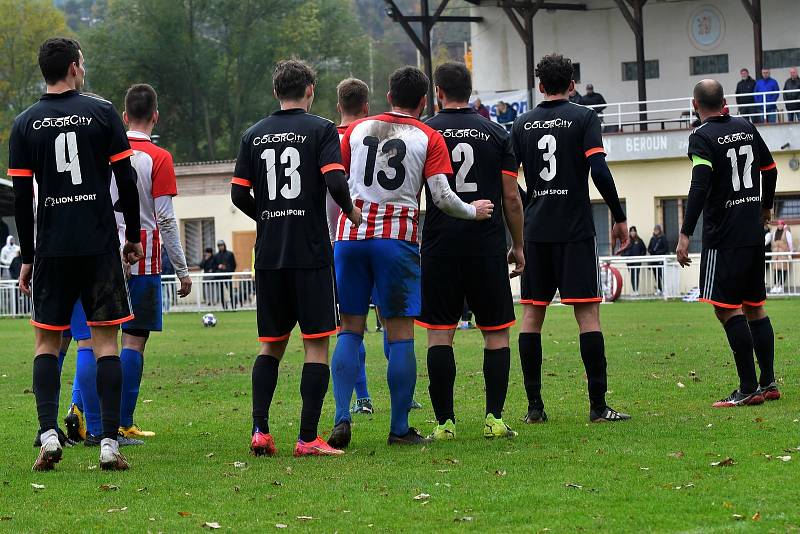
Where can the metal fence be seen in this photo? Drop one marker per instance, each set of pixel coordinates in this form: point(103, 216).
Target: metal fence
point(627, 278)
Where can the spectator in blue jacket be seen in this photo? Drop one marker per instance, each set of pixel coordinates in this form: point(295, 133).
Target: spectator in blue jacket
point(769, 111)
point(506, 114)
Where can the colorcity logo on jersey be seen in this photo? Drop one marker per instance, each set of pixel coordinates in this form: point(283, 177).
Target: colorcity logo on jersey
point(465, 133)
point(553, 123)
point(286, 137)
point(60, 122)
point(735, 138)
point(69, 199)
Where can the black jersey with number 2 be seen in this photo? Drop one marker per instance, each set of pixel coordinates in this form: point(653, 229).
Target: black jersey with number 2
point(283, 158)
point(67, 142)
point(553, 142)
point(480, 151)
point(737, 155)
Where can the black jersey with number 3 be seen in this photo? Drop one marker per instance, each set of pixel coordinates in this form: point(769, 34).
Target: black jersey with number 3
point(553, 142)
point(480, 151)
point(283, 158)
point(737, 154)
point(67, 142)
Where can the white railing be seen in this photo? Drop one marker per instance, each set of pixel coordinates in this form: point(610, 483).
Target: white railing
point(679, 111)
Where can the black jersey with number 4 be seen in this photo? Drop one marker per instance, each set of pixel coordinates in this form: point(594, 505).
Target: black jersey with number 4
point(67, 142)
point(283, 158)
point(737, 155)
point(553, 142)
point(480, 151)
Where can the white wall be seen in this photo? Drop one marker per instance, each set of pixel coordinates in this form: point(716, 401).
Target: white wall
point(600, 39)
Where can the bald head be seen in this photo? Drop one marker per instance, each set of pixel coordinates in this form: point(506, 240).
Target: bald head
point(709, 95)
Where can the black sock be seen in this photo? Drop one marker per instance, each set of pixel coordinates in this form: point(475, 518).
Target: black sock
point(530, 357)
point(593, 354)
point(46, 385)
point(313, 387)
point(496, 364)
point(109, 389)
point(265, 380)
point(764, 347)
point(741, 342)
point(442, 377)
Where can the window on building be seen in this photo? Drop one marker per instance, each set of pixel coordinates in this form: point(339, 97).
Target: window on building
point(576, 72)
point(781, 59)
point(787, 207)
point(603, 221)
point(671, 219)
point(630, 71)
point(198, 234)
point(715, 64)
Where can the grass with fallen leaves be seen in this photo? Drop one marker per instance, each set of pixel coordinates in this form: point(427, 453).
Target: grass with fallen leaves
point(679, 465)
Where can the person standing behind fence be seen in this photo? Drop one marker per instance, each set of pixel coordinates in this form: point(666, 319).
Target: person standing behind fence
point(746, 86)
point(658, 247)
point(207, 264)
point(636, 248)
point(8, 253)
point(781, 243)
point(767, 108)
point(593, 99)
point(225, 262)
point(480, 109)
point(792, 85)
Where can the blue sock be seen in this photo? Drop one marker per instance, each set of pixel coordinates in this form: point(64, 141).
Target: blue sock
point(87, 382)
point(61, 356)
point(362, 392)
point(132, 367)
point(76, 391)
point(402, 378)
point(344, 369)
point(386, 344)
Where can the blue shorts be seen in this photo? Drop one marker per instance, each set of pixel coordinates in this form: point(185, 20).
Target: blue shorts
point(78, 329)
point(386, 269)
point(145, 292)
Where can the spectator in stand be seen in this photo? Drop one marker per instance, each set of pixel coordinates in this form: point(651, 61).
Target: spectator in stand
point(767, 107)
point(208, 267)
point(636, 248)
point(746, 86)
point(7, 254)
point(792, 85)
point(575, 96)
point(16, 266)
point(783, 247)
point(594, 99)
point(482, 110)
point(658, 247)
point(506, 115)
point(225, 262)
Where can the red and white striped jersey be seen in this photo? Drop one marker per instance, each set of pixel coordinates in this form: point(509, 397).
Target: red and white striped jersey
point(155, 177)
point(388, 157)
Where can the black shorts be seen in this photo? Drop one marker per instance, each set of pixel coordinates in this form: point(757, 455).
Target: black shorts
point(571, 268)
point(286, 297)
point(730, 277)
point(98, 281)
point(482, 280)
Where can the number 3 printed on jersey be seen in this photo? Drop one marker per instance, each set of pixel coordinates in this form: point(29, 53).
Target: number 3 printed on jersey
point(548, 143)
point(67, 156)
point(290, 158)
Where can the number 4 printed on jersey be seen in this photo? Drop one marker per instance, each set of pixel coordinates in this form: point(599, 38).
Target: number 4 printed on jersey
point(67, 156)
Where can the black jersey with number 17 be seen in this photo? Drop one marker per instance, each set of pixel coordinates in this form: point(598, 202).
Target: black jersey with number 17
point(480, 151)
point(67, 141)
point(553, 143)
point(283, 158)
point(737, 154)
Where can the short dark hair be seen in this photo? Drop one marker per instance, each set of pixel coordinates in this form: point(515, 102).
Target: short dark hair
point(55, 57)
point(352, 94)
point(709, 95)
point(291, 77)
point(454, 79)
point(407, 86)
point(744, 69)
point(555, 73)
point(141, 101)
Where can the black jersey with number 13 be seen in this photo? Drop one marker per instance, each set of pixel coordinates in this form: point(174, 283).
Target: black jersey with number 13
point(283, 158)
point(553, 142)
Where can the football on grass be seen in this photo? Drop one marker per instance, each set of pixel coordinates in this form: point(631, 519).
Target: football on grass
point(209, 320)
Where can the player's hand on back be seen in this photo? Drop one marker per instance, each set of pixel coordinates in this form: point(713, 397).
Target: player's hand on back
point(25, 275)
point(186, 286)
point(132, 252)
point(355, 216)
point(620, 232)
point(483, 209)
point(682, 251)
point(516, 255)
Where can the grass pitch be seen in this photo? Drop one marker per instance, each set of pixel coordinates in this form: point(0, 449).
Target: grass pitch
point(667, 363)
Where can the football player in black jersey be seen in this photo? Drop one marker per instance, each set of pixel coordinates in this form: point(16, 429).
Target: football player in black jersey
point(557, 143)
point(467, 259)
point(69, 142)
point(290, 159)
point(733, 185)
